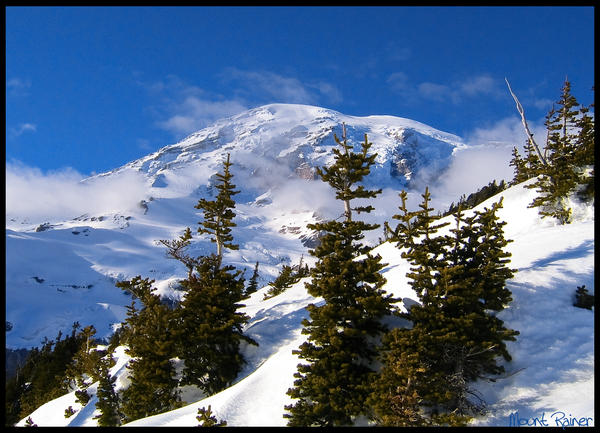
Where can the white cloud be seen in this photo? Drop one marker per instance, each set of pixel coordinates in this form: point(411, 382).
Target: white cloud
point(507, 131)
point(22, 128)
point(398, 81)
point(61, 194)
point(437, 92)
point(485, 158)
point(454, 92)
point(17, 87)
point(472, 168)
point(183, 108)
point(268, 87)
point(194, 113)
point(483, 84)
point(273, 87)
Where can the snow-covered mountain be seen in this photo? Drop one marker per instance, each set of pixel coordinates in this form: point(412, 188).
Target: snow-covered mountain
point(65, 270)
point(60, 271)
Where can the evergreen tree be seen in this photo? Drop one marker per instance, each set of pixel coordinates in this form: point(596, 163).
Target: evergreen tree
point(583, 299)
point(253, 282)
point(520, 174)
point(41, 378)
point(108, 399)
point(584, 153)
point(82, 397)
point(283, 281)
point(208, 317)
point(533, 166)
point(332, 387)
point(212, 325)
point(218, 213)
point(455, 336)
point(570, 150)
point(151, 341)
point(83, 369)
point(527, 167)
point(69, 412)
point(288, 276)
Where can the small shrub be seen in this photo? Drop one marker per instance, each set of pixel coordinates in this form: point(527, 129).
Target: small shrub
point(69, 412)
point(207, 419)
point(82, 397)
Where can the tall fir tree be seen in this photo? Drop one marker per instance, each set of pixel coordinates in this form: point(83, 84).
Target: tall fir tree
point(520, 171)
point(208, 317)
point(218, 213)
point(331, 388)
point(151, 344)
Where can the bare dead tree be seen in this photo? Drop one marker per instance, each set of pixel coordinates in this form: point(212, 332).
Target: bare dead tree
point(524, 121)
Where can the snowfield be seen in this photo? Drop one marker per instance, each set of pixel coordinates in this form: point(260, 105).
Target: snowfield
point(550, 380)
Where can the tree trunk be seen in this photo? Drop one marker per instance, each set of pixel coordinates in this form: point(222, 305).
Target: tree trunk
point(524, 121)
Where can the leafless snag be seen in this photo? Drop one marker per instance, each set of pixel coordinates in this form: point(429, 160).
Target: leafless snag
point(524, 121)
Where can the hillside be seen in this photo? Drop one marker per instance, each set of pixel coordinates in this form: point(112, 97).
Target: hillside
point(551, 376)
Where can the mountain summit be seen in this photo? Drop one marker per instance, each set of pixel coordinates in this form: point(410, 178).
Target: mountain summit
point(290, 140)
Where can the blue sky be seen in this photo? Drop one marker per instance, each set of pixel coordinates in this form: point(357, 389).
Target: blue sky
point(89, 89)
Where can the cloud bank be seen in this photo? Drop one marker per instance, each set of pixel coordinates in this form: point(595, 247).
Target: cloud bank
point(63, 194)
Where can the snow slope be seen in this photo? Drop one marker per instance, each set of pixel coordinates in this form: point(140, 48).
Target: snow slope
point(550, 379)
point(61, 270)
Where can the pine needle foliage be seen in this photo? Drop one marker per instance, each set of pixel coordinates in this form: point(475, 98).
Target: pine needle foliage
point(569, 153)
point(332, 385)
point(108, 400)
point(253, 282)
point(456, 337)
point(211, 325)
point(218, 213)
point(151, 337)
